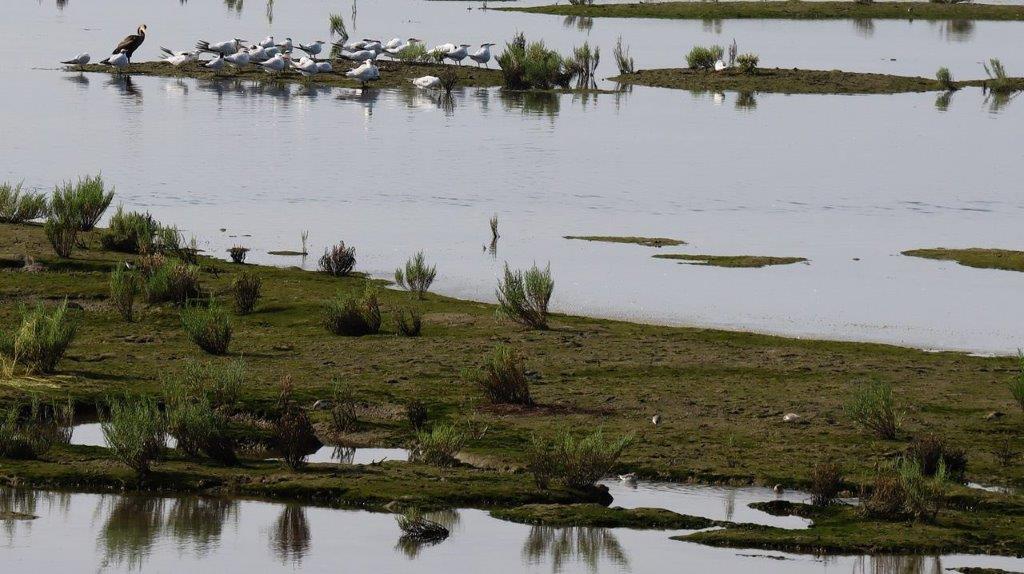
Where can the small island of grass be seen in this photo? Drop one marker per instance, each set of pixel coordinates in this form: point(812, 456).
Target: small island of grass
point(595, 515)
point(982, 258)
point(741, 261)
point(645, 241)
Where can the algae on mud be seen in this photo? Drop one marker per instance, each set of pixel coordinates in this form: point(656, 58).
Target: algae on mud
point(739, 261)
point(789, 9)
point(790, 81)
point(982, 258)
point(645, 241)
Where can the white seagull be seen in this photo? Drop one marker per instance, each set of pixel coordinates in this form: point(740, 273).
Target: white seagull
point(313, 49)
point(366, 72)
point(322, 67)
point(181, 58)
point(286, 46)
point(427, 82)
point(118, 60)
point(223, 48)
point(306, 66)
point(720, 65)
point(359, 55)
point(483, 55)
point(79, 60)
point(440, 52)
point(458, 54)
point(276, 64)
point(395, 46)
point(267, 42)
point(216, 64)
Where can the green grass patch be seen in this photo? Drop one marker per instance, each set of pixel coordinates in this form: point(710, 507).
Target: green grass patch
point(596, 515)
point(982, 258)
point(645, 241)
point(743, 261)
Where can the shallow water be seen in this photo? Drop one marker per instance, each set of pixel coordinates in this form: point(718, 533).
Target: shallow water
point(113, 533)
point(847, 181)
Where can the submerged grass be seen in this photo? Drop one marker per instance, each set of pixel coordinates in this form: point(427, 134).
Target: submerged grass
point(982, 258)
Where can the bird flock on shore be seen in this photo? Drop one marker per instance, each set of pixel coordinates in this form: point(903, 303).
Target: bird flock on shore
point(276, 57)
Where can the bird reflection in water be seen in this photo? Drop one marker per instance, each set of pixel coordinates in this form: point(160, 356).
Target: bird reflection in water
point(584, 544)
point(126, 87)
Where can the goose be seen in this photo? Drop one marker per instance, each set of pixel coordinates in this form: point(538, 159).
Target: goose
point(286, 46)
point(79, 60)
point(118, 60)
point(483, 55)
point(366, 72)
point(216, 64)
point(459, 54)
point(313, 49)
point(275, 64)
point(427, 82)
point(239, 59)
point(131, 43)
point(306, 66)
point(225, 48)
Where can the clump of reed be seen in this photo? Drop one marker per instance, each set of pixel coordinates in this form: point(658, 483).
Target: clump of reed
point(172, 281)
point(873, 408)
point(408, 322)
point(998, 79)
point(449, 79)
point(61, 231)
point(238, 253)
point(417, 528)
point(353, 315)
point(414, 52)
point(338, 260)
point(532, 66)
point(748, 63)
point(523, 297)
point(416, 414)
point(130, 232)
point(293, 432)
point(494, 227)
point(87, 199)
point(17, 206)
point(344, 409)
point(28, 435)
point(826, 483)
point(582, 64)
point(578, 462)
point(930, 452)
point(503, 379)
point(208, 326)
point(135, 429)
point(733, 52)
point(220, 383)
point(40, 341)
point(337, 26)
point(704, 57)
point(1017, 383)
point(124, 287)
point(417, 275)
point(245, 291)
point(439, 445)
point(1005, 453)
point(623, 61)
point(195, 424)
point(902, 491)
point(945, 79)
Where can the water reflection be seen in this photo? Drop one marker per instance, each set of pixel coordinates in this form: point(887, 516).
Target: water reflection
point(81, 79)
point(532, 103)
point(200, 521)
point(865, 27)
point(712, 25)
point(131, 529)
point(898, 565)
point(746, 101)
point(942, 100)
point(581, 23)
point(956, 30)
point(234, 5)
point(562, 546)
point(997, 101)
point(412, 547)
point(291, 535)
point(126, 87)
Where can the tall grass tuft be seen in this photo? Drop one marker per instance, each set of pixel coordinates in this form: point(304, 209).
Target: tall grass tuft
point(733, 52)
point(344, 409)
point(523, 297)
point(124, 287)
point(220, 383)
point(416, 527)
point(416, 414)
point(135, 430)
point(238, 254)
point(353, 315)
point(1017, 384)
point(439, 445)
point(449, 79)
point(873, 408)
point(578, 462)
point(87, 199)
point(62, 233)
point(703, 57)
point(293, 432)
point(130, 232)
point(623, 61)
point(748, 63)
point(494, 227)
point(826, 483)
point(902, 491)
point(173, 281)
point(408, 322)
point(998, 78)
point(945, 78)
point(417, 276)
point(337, 26)
point(582, 64)
point(414, 52)
point(930, 452)
point(532, 66)
point(245, 290)
point(27, 436)
point(40, 341)
point(338, 260)
point(196, 425)
point(208, 326)
point(503, 379)
point(17, 206)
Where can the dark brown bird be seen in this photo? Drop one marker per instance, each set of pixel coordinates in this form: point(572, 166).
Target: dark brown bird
point(131, 43)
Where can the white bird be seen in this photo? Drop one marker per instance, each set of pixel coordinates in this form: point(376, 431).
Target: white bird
point(181, 58)
point(306, 66)
point(444, 48)
point(322, 67)
point(118, 60)
point(427, 82)
point(223, 48)
point(483, 55)
point(79, 60)
point(373, 45)
point(276, 64)
point(459, 54)
point(313, 49)
point(366, 72)
point(629, 477)
point(720, 65)
point(359, 55)
point(239, 59)
point(393, 49)
point(216, 64)
point(656, 419)
point(393, 43)
point(267, 42)
point(286, 46)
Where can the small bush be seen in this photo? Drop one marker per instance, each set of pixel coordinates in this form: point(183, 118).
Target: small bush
point(945, 78)
point(338, 260)
point(582, 64)
point(902, 491)
point(532, 66)
point(999, 79)
point(41, 340)
point(524, 297)
point(238, 254)
point(130, 232)
point(344, 414)
point(173, 281)
point(503, 379)
point(197, 426)
point(416, 413)
point(414, 52)
point(62, 235)
point(439, 445)
point(28, 437)
point(701, 58)
point(623, 61)
point(826, 483)
point(873, 408)
point(748, 63)
point(352, 315)
point(414, 526)
point(124, 287)
point(135, 431)
point(408, 322)
point(930, 453)
point(246, 291)
point(208, 326)
point(541, 462)
point(578, 462)
point(1017, 384)
point(293, 432)
point(417, 276)
point(86, 200)
point(17, 206)
point(219, 383)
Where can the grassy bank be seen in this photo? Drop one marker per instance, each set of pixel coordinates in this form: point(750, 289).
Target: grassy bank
point(738, 261)
point(645, 241)
point(789, 81)
point(595, 515)
point(789, 10)
point(982, 258)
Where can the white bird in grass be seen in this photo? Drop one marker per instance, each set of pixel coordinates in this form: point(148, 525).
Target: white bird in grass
point(79, 60)
point(276, 64)
point(443, 48)
point(239, 59)
point(306, 66)
point(366, 72)
point(323, 67)
point(225, 48)
point(359, 55)
point(118, 60)
point(267, 42)
point(720, 65)
point(628, 478)
point(459, 54)
point(216, 64)
point(393, 49)
point(427, 82)
point(181, 58)
point(483, 55)
point(286, 46)
point(313, 49)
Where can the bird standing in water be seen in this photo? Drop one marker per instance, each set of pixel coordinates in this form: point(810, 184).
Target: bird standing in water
point(131, 43)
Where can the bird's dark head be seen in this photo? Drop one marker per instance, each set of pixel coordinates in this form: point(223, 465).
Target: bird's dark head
point(142, 30)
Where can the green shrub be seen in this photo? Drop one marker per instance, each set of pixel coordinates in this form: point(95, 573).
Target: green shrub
point(902, 491)
point(998, 79)
point(503, 379)
point(524, 297)
point(930, 453)
point(344, 409)
point(578, 462)
point(246, 291)
point(439, 445)
point(135, 431)
point(173, 281)
point(408, 322)
point(826, 483)
point(124, 287)
point(219, 383)
point(293, 432)
point(27, 436)
point(945, 78)
point(352, 315)
point(414, 52)
point(18, 207)
point(582, 64)
point(416, 413)
point(84, 201)
point(748, 62)
point(238, 254)
point(872, 407)
point(338, 260)
point(417, 276)
point(208, 326)
point(42, 338)
point(623, 61)
point(62, 235)
point(130, 232)
point(197, 427)
point(702, 58)
point(532, 66)
point(1017, 384)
